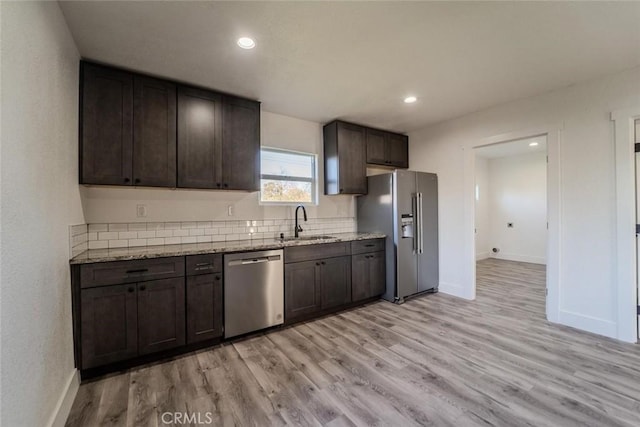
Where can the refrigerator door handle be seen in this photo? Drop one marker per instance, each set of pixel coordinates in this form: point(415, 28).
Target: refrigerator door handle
point(419, 236)
point(416, 228)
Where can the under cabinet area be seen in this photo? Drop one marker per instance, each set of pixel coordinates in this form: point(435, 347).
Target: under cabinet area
point(128, 312)
point(137, 130)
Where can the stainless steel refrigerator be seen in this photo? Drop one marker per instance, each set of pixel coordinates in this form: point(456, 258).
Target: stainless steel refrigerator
point(404, 206)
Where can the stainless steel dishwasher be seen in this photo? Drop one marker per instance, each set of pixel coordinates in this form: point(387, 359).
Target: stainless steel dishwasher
point(253, 291)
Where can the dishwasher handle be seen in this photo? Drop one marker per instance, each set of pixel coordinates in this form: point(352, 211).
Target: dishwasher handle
point(259, 260)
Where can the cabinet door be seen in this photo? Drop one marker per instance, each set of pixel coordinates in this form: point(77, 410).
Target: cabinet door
point(106, 121)
point(240, 144)
point(109, 328)
point(360, 277)
point(204, 307)
point(335, 281)
point(154, 132)
point(376, 147)
point(352, 168)
point(302, 289)
point(199, 138)
point(398, 150)
point(376, 263)
point(161, 318)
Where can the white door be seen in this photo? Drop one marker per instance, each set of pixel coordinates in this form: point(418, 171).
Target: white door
point(637, 140)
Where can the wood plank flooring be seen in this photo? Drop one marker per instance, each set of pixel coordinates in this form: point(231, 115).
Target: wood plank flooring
point(436, 360)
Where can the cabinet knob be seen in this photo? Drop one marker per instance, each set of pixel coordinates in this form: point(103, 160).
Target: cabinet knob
point(226, 185)
point(217, 277)
point(218, 184)
point(342, 190)
point(143, 287)
point(322, 263)
point(130, 290)
point(137, 181)
point(127, 180)
point(317, 263)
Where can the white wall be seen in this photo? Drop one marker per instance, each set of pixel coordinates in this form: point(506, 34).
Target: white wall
point(40, 199)
point(482, 225)
point(587, 188)
point(518, 195)
point(119, 204)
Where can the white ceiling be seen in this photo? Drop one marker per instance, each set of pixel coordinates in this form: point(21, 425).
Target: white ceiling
point(513, 148)
point(358, 60)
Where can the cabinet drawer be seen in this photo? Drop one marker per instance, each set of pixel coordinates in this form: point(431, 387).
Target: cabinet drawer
point(204, 264)
point(118, 272)
point(364, 246)
point(311, 252)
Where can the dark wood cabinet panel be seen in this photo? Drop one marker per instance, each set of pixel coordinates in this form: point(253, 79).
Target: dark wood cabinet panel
point(154, 132)
point(367, 275)
point(161, 315)
point(302, 289)
point(369, 245)
point(240, 144)
point(106, 126)
point(204, 307)
point(199, 138)
point(119, 272)
point(314, 252)
point(345, 169)
point(376, 146)
point(335, 281)
point(398, 150)
point(203, 264)
point(109, 325)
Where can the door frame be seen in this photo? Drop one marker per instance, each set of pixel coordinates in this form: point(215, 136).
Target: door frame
point(626, 281)
point(554, 138)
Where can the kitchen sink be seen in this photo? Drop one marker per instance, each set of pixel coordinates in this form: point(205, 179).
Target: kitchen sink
point(292, 239)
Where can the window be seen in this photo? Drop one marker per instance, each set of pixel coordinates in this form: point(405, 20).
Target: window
point(287, 177)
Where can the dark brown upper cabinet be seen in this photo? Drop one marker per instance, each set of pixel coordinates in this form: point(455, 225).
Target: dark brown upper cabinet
point(199, 138)
point(154, 132)
point(139, 130)
point(240, 144)
point(106, 126)
point(387, 149)
point(344, 159)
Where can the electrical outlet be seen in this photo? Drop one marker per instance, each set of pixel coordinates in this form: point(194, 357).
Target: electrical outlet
point(141, 211)
point(230, 210)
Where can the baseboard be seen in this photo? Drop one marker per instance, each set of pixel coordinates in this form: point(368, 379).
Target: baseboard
point(520, 258)
point(63, 407)
point(588, 323)
point(455, 290)
point(482, 255)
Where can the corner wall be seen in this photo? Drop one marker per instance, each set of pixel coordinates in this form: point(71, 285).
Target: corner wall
point(39, 200)
point(587, 188)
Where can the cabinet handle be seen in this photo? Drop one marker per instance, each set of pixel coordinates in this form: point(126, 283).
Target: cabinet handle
point(137, 181)
point(226, 185)
point(140, 270)
point(218, 184)
point(130, 290)
point(127, 180)
point(143, 287)
point(323, 263)
point(370, 245)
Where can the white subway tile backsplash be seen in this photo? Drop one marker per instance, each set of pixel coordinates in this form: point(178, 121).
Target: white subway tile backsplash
point(119, 235)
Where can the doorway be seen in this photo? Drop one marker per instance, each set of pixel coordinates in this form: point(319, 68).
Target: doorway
point(510, 228)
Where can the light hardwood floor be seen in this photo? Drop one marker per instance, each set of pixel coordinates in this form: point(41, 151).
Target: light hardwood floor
point(436, 360)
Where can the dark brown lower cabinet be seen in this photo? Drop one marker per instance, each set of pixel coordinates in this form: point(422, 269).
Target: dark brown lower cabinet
point(109, 324)
point(204, 307)
point(302, 289)
point(335, 281)
point(368, 275)
point(312, 286)
point(161, 319)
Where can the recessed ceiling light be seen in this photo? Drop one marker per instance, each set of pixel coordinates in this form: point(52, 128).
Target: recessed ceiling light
point(533, 144)
point(410, 99)
point(246, 43)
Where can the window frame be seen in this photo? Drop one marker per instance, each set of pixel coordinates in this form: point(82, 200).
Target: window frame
point(313, 180)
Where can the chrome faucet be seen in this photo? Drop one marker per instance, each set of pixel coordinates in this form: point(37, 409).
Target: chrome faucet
point(297, 228)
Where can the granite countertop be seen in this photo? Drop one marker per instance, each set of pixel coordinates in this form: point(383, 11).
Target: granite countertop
point(122, 254)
